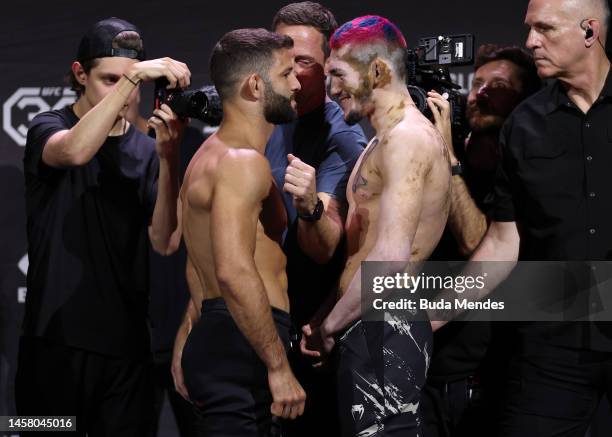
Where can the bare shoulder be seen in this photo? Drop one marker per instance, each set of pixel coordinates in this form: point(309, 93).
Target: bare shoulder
point(413, 139)
point(246, 171)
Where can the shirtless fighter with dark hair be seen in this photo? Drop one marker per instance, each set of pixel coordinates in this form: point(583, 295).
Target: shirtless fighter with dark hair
point(235, 363)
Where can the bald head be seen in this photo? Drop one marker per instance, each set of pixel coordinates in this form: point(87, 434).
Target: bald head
point(585, 9)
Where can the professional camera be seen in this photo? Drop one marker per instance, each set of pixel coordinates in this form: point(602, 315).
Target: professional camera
point(427, 69)
point(203, 103)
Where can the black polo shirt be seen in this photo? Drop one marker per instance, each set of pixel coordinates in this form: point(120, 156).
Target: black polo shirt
point(555, 181)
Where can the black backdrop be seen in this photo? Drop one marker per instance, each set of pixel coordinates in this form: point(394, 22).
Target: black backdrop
point(38, 42)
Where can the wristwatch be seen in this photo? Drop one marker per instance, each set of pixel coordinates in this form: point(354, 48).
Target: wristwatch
point(457, 169)
point(315, 215)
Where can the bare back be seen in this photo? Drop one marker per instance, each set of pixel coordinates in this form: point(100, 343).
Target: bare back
point(205, 173)
point(398, 192)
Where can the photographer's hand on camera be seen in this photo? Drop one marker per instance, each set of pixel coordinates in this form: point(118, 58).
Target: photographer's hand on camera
point(440, 108)
point(176, 72)
point(169, 129)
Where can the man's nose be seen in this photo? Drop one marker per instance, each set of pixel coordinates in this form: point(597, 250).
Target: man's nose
point(295, 86)
point(334, 89)
point(532, 40)
point(482, 93)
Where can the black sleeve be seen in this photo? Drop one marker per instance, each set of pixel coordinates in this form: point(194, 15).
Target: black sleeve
point(503, 199)
point(42, 127)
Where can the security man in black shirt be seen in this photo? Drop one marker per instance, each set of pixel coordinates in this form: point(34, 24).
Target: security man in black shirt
point(553, 200)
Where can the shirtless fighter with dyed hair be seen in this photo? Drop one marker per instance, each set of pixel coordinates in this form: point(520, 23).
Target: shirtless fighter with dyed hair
point(399, 200)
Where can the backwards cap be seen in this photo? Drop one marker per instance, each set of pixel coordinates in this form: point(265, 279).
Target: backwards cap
point(98, 41)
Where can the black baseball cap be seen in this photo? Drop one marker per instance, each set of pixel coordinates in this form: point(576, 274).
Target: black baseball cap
point(98, 41)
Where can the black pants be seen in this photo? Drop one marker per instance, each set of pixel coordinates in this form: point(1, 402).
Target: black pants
point(226, 379)
point(109, 396)
point(554, 391)
point(456, 409)
point(382, 367)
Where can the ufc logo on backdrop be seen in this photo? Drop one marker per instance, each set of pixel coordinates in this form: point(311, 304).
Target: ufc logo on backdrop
point(25, 103)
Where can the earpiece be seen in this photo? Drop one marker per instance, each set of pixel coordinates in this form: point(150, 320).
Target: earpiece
point(588, 30)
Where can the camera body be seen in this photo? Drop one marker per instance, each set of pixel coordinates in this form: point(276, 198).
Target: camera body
point(203, 103)
point(427, 69)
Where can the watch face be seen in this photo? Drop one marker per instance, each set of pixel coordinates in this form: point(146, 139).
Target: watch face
point(318, 209)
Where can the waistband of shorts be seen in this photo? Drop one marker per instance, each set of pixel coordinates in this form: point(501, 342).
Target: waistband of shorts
point(218, 304)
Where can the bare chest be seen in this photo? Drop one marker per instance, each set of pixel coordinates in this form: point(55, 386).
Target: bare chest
point(365, 183)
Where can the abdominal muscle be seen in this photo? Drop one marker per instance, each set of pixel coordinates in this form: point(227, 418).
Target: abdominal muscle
point(269, 259)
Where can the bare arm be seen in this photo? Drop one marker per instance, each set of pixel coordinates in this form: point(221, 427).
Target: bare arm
point(501, 243)
point(318, 239)
point(399, 211)
point(192, 315)
point(76, 146)
point(243, 182)
point(165, 229)
point(189, 320)
point(467, 223)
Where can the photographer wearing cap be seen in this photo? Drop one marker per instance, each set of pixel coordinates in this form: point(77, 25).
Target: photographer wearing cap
point(96, 189)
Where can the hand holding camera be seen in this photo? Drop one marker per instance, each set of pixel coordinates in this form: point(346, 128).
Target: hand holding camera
point(169, 129)
point(176, 73)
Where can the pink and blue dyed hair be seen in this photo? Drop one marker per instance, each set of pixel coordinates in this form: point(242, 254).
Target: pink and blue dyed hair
point(367, 30)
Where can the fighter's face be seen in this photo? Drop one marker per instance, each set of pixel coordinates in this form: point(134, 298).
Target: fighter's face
point(496, 90)
point(280, 87)
point(309, 61)
point(102, 79)
point(349, 87)
point(555, 37)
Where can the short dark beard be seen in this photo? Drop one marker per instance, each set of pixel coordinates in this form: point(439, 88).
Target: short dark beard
point(475, 116)
point(277, 108)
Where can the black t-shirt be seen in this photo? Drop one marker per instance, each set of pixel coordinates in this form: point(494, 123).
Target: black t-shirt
point(88, 242)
